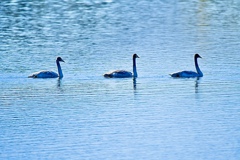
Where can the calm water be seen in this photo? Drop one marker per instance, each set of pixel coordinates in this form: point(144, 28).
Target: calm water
point(84, 115)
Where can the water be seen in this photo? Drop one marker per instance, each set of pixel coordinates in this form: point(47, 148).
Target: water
point(84, 115)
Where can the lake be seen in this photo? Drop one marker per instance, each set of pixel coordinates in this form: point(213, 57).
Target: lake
point(86, 116)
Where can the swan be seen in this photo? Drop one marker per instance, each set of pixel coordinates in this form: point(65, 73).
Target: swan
point(190, 74)
point(123, 73)
point(49, 74)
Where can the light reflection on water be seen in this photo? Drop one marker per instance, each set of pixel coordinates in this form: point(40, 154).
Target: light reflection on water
point(86, 115)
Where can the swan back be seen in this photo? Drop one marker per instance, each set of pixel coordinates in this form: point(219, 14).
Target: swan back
point(118, 74)
point(44, 74)
point(186, 74)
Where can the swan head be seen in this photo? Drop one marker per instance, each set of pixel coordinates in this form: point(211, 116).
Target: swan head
point(197, 56)
point(59, 59)
point(135, 56)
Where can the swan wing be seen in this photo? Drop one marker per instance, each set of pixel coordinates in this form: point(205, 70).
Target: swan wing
point(185, 74)
point(44, 74)
point(118, 74)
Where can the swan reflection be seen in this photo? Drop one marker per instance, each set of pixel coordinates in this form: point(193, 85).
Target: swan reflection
point(59, 82)
point(134, 83)
point(196, 84)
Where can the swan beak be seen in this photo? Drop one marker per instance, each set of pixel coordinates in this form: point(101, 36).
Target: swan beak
point(137, 56)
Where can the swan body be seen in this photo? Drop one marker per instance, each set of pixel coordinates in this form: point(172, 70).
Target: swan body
point(123, 73)
point(186, 74)
point(49, 74)
point(190, 74)
point(118, 74)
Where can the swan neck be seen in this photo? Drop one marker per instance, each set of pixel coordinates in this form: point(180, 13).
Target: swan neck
point(60, 74)
point(197, 67)
point(134, 68)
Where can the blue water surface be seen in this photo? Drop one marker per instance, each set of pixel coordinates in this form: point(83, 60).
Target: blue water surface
point(86, 116)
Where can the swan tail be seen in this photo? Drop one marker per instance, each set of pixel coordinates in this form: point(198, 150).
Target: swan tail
point(175, 75)
point(107, 75)
point(32, 76)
